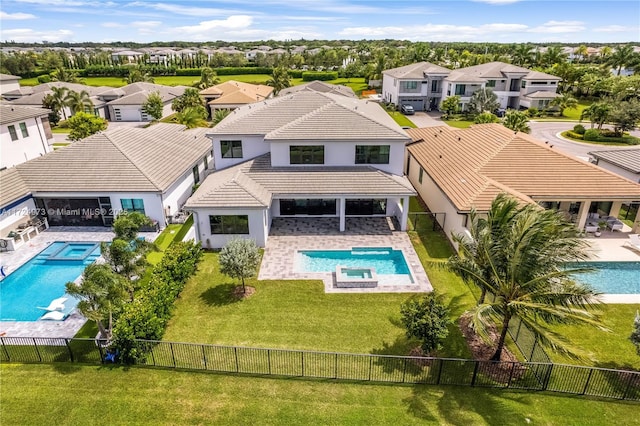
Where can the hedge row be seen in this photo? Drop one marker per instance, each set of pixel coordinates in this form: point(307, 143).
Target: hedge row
point(322, 76)
point(147, 316)
point(162, 70)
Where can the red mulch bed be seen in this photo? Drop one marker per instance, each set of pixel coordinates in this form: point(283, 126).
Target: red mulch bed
point(239, 294)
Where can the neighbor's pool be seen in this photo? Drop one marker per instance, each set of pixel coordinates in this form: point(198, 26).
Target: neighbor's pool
point(390, 265)
point(612, 277)
point(43, 278)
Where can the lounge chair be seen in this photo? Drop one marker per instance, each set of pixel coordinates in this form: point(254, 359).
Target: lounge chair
point(633, 243)
point(615, 225)
point(55, 305)
point(54, 316)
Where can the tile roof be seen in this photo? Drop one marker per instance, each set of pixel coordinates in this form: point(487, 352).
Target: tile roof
point(416, 70)
point(252, 184)
point(12, 186)
point(125, 159)
point(471, 166)
point(320, 86)
point(7, 77)
point(13, 113)
point(496, 70)
point(137, 93)
point(542, 94)
point(628, 159)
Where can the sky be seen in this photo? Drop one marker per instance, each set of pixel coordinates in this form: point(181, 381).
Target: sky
point(506, 21)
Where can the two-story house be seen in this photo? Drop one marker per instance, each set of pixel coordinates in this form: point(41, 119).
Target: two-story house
point(418, 85)
point(24, 134)
point(306, 154)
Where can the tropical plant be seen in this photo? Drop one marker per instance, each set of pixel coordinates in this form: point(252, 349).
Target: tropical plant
point(239, 258)
point(486, 117)
point(49, 102)
point(83, 125)
point(192, 117)
point(57, 100)
point(522, 55)
point(63, 74)
point(582, 52)
point(220, 115)
point(625, 116)
point(553, 56)
point(153, 106)
point(516, 121)
point(597, 113)
point(208, 78)
point(483, 100)
point(101, 293)
point(279, 80)
point(137, 75)
point(621, 57)
point(635, 334)
point(564, 101)
point(451, 105)
point(189, 99)
point(523, 262)
point(79, 101)
point(426, 319)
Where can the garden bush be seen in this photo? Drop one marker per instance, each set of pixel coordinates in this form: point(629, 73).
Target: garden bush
point(591, 135)
point(45, 78)
point(533, 112)
point(574, 135)
point(318, 75)
point(579, 129)
point(295, 73)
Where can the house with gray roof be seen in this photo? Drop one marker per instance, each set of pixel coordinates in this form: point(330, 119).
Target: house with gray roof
point(9, 83)
point(24, 134)
point(418, 85)
point(306, 154)
point(320, 86)
point(150, 170)
point(624, 162)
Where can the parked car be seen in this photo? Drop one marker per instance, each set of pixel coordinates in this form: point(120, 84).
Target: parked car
point(407, 110)
point(501, 112)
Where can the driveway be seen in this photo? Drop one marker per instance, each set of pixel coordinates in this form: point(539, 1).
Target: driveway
point(423, 119)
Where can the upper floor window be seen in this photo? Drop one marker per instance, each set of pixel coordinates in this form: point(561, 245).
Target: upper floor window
point(372, 154)
point(408, 86)
point(206, 163)
point(231, 149)
point(491, 83)
point(434, 85)
point(313, 154)
point(460, 89)
point(132, 205)
point(196, 174)
point(523, 84)
point(13, 133)
point(23, 129)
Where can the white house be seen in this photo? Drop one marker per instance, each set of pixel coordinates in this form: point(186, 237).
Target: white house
point(9, 83)
point(418, 85)
point(125, 103)
point(457, 170)
point(307, 154)
point(152, 171)
point(624, 162)
point(24, 134)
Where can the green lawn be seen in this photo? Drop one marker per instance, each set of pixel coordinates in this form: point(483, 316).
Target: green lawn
point(401, 119)
point(74, 394)
point(460, 124)
point(60, 130)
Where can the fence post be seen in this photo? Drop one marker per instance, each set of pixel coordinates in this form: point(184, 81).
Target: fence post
point(37, 351)
point(204, 357)
point(173, 356)
point(302, 362)
point(547, 378)
point(335, 370)
point(370, 365)
point(66, 342)
point(518, 331)
point(404, 369)
point(475, 373)
point(235, 351)
point(153, 355)
point(440, 371)
point(6, 352)
point(269, 360)
point(533, 349)
point(626, 391)
point(586, 385)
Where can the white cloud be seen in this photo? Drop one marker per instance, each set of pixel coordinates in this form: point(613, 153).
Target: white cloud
point(441, 32)
point(18, 16)
point(29, 35)
point(145, 24)
point(184, 10)
point(615, 29)
point(558, 27)
point(234, 22)
point(112, 25)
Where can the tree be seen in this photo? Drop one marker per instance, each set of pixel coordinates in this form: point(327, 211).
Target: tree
point(57, 100)
point(622, 57)
point(635, 334)
point(582, 52)
point(565, 101)
point(153, 105)
point(220, 115)
point(83, 125)
point(486, 117)
point(62, 74)
point(625, 116)
point(193, 117)
point(553, 56)
point(189, 99)
point(239, 259)
point(524, 265)
point(451, 104)
point(426, 319)
point(483, 100)
point(208, 78)
point(522, 55)
point(597, 112)
point(136, 75)
point(128, 224)
point(79, 101)
point(101, 292)
point(49, 102)
point(517, 121)
point(279, 80)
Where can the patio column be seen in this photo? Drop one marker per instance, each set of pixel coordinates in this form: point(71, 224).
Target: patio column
point(615, 208)
point(636, 223)
point(343, 206)
point(405, 213)
point(583, 213)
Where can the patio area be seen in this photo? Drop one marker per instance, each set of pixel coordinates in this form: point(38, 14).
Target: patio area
point(289, 235)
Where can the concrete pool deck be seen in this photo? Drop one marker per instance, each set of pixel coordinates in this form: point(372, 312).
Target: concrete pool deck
point(288, 236)
point(14, 259)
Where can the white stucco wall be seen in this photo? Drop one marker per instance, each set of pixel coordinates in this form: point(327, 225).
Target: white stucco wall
point(252, 146)
point(175, 197)
point(16, 213)
point(23, 149)
point(9, 85)
point(389, 90)
point(259, 224)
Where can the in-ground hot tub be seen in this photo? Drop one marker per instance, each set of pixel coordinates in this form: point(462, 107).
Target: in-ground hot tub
point(347, 277)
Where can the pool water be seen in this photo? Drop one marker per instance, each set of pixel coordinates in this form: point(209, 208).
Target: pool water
point(385, 261)
point(42, 279)
point(612, 277)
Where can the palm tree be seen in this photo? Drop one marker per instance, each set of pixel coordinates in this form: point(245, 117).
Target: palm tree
point(523, 262)
point(565, 101)
point(623, 56)
point(79, 101)
point(208, 78)
point(596, 113)
point(220, 115)
point(516, 121)
point(62, 74)
point(137, 75)
point(553, 56)
point(581, 51)
point(56, 100)
point(192, 117)
point(522, 55)
point(279, 80)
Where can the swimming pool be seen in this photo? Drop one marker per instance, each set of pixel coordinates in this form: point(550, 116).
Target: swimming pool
point(43, 278)
point(612, 277)
point(389, 264)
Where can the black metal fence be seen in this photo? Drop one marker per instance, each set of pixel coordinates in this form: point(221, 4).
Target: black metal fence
point(424, 220)
point(571, 379)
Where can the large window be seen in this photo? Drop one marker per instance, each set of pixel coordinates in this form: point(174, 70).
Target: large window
point(365, 207)
point(196, 174)
point(372, 154)
point(491, 83)
point(460, 89)
point(314, 207)
point(23, 129)
point(313, 154)
point(231, 149)
point(132, 205)
point(409, 86)
point(13, 133)
point(206, 162)
point(229, 224)
point(434, 86)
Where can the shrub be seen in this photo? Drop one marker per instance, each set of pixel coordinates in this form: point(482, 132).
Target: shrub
point(426, 319)
point(45, 78)
point(318, 75)
point(295, 73)
point(579, 129)
point(591, 135)
point(533, 112)
point(573, 134)
point(608, 133)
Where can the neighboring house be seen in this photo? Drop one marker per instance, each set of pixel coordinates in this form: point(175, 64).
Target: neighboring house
point(24, 134)
point(322, 87)
point(9, 83)
point(126, 56)
point(418, 85)
point(125, 103)
point(234, 94)
point(424, 86)
point(152, 171)
point(624, 162)
point(307, 154)
point(457, 170)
